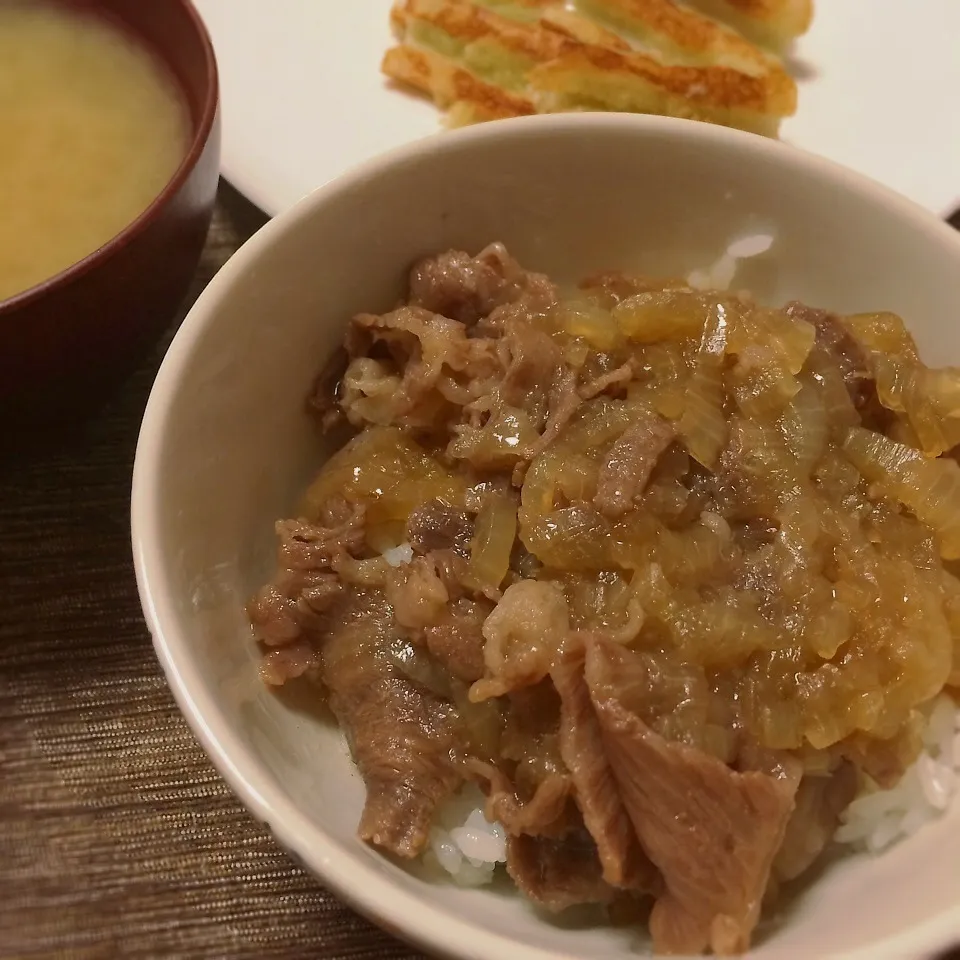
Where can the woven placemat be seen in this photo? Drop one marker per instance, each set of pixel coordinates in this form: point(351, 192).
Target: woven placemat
point(117, 837)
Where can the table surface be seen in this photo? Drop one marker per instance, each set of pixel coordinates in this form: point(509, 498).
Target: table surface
point(117, 836)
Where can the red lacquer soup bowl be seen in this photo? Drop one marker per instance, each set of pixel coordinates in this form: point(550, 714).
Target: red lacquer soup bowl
point(66, 343)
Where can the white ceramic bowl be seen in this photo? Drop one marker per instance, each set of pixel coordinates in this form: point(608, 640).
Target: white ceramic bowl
point(226, 448)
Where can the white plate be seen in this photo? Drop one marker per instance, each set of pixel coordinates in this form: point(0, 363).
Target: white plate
point(304, 100)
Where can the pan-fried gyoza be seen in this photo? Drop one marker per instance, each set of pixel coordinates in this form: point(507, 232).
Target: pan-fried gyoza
point(492, 59)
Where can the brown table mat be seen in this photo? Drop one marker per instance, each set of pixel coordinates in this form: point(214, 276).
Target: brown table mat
point(117, 836)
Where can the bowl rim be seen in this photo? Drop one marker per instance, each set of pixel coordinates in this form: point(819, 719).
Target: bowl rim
point(357, 882)
point(200, 136)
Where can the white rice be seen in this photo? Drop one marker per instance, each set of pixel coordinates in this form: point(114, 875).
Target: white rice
point(398, 556)
point(878, 818)
point(464, 843)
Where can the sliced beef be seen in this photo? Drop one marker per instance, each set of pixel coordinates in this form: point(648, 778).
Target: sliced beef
point(612, 378)
point(401, 735)
point(371, 572)
point(527, 403)
point(535, 363)
point(524, 636)
point(816, 816)
point(535, 291)
point(292, 606)
point(371, 392)
point(312, 546)
point(712, 832)
point(288, 662)
point(412, 368)
point(669, 694)
point(563, 401)
point(845, 352)
point(626, 470)
point(531, 790)
point(538, 382)
point(884, 761)
point(531, 734)
point(456, 642)
point(597, 793)
point(417, 594)
point(456, 285)
point(453, 571)
point(557, 874)
point(467, 288)
point(320, 591)
point(436, 526)
point(537, 389)
point(547, 813)
point(530, 742)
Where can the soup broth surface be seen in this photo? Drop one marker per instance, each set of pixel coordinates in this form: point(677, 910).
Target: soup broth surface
point(91, 131)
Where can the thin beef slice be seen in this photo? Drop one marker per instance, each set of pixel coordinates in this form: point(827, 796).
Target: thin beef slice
point(712, 832)
point(597, 793)
point(558, 874)
point(400, 734)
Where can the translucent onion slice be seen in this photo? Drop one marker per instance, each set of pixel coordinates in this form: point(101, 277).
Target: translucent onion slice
point(494, 534)
point(383, 468)
point(596, 424)
point(930, 399)
point(499, 444)
point(930, 488)
point(763, 384)
point(586, 320)
point(663, 377)
point(663, 315)
point(804, 426)
point(571, 537)
point(789, 340)
point(703, 425)
point(838, 408)
point(883, 332)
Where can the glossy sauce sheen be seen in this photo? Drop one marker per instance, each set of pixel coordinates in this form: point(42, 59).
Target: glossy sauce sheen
point(92, 130)
point(671, 572)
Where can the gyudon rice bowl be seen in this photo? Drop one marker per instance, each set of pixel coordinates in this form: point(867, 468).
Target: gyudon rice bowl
point(640, 590)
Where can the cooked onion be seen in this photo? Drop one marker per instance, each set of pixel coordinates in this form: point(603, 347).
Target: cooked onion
point(499, 444)
point(586, 320)
point(930, 399)
point(659, 315)
point(928, 487)
point(703, 424)
point(389, 471)
point(494, 533)
point(673, 499)
point(804, 426)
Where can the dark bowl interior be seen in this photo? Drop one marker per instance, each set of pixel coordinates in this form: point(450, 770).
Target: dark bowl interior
point(66, 344)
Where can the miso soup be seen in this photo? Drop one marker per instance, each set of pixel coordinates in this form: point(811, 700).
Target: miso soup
point(91, 131)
